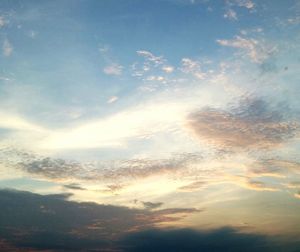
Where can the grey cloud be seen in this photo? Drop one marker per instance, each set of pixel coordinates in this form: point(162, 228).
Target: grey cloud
point(222, 239)
point(151, 205)
point(112, 172)
point(250, 124)
point(50, 222)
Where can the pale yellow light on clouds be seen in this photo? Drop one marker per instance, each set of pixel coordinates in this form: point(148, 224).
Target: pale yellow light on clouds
point(118, 128)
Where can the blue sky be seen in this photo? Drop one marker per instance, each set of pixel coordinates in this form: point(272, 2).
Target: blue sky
point(183, 111)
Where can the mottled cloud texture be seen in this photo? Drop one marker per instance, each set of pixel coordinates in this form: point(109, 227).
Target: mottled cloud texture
point(252, 123)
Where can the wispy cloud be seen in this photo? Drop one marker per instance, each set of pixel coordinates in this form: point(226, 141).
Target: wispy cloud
point(156, 60)
point(113, 69)
point(231, 14)
point(257, 51)
point(2, 21)
point(7, 48)
point(241, 181)
point(249, 4)
point(151, 205)
point(112, 99)
point(74, 186)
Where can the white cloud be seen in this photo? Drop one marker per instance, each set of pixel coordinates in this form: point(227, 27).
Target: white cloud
point(113, 69)
point(117, 129)
point(112, 99)
point(16, 122)
point(7, 48)
point(168, 69)
point(231, 14)
point(193, 67)
point(257, 51)
point(157, 60)
point(246, 3)
point(242, 3)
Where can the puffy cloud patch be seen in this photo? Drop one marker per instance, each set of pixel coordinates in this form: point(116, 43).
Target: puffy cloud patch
point(193, 67)
point(251, 124)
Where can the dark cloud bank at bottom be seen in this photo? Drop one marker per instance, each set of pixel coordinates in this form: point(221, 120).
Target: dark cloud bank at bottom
point(32, 222)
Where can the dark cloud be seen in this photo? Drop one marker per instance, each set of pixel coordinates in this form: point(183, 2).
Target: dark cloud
point(74, 186)
point(224, 239)
point(152, 205)
point(251, 123)
point(30, 220)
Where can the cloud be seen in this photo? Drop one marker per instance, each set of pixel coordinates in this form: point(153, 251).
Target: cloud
point(257, 51)
point(2, 21)
point(231, 14)
point(7, 48)
point(274, 167)
point(277, 166)
point(151, 205)
point(255, 185)
point(192, 67)
point(222, 239)
point(115, 171)
point(251, 124)
point(117, 129)
point(241, 181)
point(113, 69)
point(112, 99)
point(74, 186)
point(16, 122)
point(156, 60)
point(293, 184)
point(44, 222)
point(297, 195)
point(194, 186)
point(168, 69)
point(242, 3)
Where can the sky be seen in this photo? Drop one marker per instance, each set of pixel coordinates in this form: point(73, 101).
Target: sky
point(162, 125)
